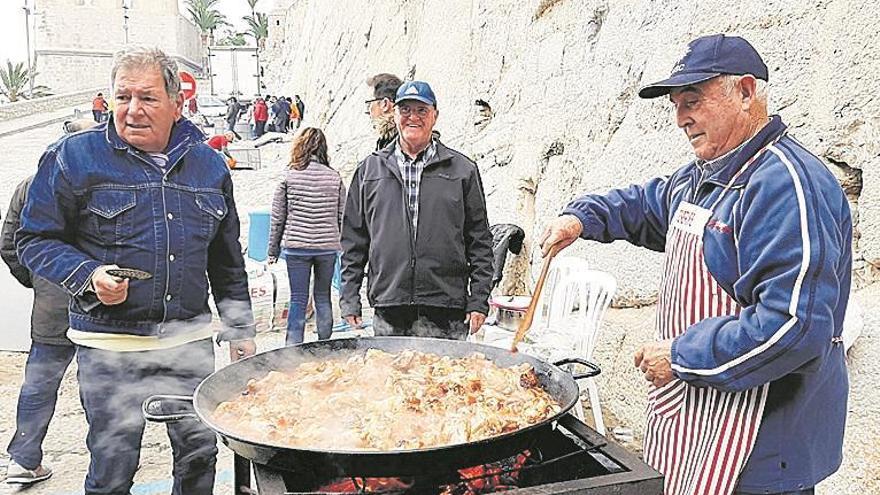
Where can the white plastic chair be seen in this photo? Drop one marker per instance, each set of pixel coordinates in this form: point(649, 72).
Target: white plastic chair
point(568, 320)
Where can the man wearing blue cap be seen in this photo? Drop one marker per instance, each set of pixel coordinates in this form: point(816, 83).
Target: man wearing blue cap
point(748, 378)
point(416, 213)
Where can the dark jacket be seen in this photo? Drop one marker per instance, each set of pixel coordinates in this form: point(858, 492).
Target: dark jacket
point(49, 320)
point(281, 109)
point(233, 110)
point(447, 264)
point(505, 237)
point(96, 200)
point(301, 108)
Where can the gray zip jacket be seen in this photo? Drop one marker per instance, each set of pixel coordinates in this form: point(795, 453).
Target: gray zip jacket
point(307, 210)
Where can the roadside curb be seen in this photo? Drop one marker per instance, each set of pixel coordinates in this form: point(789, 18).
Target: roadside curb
point(37, 125)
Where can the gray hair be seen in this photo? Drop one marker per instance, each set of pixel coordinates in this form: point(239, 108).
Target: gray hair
point(143, 57)
point(728, 82)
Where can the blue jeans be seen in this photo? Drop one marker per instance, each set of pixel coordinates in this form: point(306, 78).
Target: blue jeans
point(299, 268)
point(43, 372)
point(113, 385)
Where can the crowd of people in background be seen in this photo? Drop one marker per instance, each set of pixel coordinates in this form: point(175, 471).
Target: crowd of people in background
point(261, 115)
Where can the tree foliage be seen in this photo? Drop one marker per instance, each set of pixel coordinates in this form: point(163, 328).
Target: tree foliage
point(258, 28)
point(229, 38)
point(205, 15)
point(15, 83)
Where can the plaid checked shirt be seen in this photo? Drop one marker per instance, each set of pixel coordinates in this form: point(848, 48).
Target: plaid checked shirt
point(411, 173)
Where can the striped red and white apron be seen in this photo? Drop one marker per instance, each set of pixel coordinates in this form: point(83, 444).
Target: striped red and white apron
point(698, 438)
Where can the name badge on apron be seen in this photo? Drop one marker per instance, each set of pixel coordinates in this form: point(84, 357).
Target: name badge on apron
point(691, 218)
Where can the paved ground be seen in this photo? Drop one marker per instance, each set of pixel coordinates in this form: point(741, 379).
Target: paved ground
point(37, 120)
point(21, 153)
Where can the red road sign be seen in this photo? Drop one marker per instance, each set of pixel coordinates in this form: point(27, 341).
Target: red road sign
point(187, 85)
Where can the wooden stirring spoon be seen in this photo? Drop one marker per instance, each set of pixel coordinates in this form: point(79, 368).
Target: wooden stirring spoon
point(533, 304)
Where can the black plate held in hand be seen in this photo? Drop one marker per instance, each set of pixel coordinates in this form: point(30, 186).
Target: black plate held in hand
point(132, 273)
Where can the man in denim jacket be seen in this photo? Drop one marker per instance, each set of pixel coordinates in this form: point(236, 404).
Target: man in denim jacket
point(140, 191)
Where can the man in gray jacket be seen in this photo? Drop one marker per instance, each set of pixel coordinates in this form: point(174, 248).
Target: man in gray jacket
point(416, 213)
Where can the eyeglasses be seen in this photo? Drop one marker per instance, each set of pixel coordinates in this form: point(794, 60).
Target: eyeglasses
point(369, 104)
point(406, 111)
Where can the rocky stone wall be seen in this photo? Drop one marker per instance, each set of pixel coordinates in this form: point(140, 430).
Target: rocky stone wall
point(542, 94)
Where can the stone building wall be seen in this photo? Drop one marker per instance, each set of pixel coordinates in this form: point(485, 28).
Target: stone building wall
point(189, 43)
point(75, 39)
point(560, 79)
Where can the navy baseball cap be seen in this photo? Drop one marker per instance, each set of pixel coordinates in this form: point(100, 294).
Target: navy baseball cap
point(416, 90)
point(708, 57)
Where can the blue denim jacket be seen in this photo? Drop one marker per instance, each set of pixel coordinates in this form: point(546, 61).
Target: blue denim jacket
point(96, 200)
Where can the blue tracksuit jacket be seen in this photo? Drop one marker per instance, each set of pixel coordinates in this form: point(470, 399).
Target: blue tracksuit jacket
point(780, 244)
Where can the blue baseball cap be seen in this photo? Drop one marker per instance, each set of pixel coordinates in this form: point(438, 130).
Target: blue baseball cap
point(416, 90)
point(708, 57)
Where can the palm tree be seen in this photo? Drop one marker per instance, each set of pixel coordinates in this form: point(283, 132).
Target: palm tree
point(258, 28)
point(253, 5)
point(15, 80)
point(206, 17)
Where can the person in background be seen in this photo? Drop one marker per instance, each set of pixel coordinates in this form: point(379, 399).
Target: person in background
point(748, 379)
point(99, 108)
point(301, 108)
point(306, 220)
point(416, 216)
point(295, 117)
point(50, 354)
point(380, 107)
point(220, 143)
point(261, 115)
point(233, 112)
point(93, 204)
point(192, 106)
point(282, 114)
point(270, 104)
